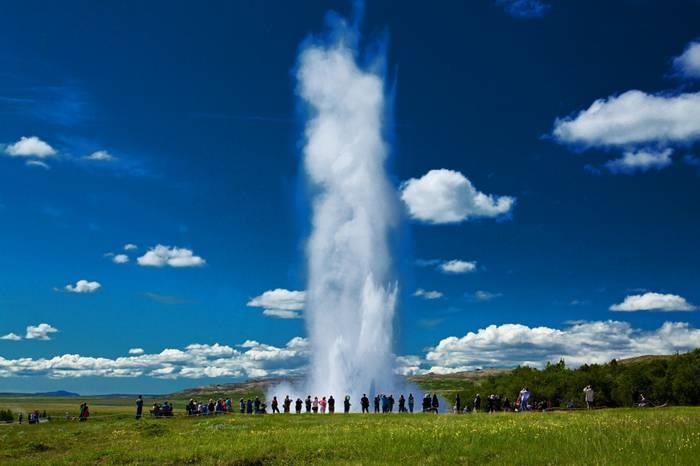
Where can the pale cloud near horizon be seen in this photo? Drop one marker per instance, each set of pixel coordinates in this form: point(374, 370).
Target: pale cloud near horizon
point(130, 247)
point(161, 256)
point(506, 345)
point(457, 266)
point(30, 146)
point(249, 360)
point(11, 337)
point(280, 303)
point(447, 196)
point(653, 302)
point(83, 286)
point(510, 345)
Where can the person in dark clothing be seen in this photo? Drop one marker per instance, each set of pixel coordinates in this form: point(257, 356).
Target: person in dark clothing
point(346, 404)
point(411, 402)
point(506, 404)
point(391, 403)
point(298, 405)
point(436, 403)
point(308, 404)
point(490, 404)
point(402, 404)
point(242, 404)
point(287, 404)
point(458, 404)
point(275, 405)
point(426, 403)
point(385, 404)
point(139, 407)
point(331, 404)
point(256, 405)
point(477, 403)
point(376, 403)
point(365, 403)
point(249, 406)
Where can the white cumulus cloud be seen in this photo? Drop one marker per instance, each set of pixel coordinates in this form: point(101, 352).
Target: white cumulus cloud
point(640, 161)
point(130, 247)
point(653, 302)
point(250, 359)
point(427, 294)
point(633, 118)
point(11, 336)
point(280, 303)
point(161, 256)
point(136, 351)
point(39, 332)
point(510, 345)
point(458, 266)
point(688, 63)
point(83, 286)
point(447, 196)
point(30, 147)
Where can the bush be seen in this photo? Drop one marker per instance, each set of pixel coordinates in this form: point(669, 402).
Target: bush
point(6, 415)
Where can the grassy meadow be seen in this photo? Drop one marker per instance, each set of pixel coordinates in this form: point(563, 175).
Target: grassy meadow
point(111, 436)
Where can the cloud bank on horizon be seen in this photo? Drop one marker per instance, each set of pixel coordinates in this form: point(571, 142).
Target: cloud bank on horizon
point(506, 345)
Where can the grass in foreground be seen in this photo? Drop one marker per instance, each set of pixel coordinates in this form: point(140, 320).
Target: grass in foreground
point(622, 436)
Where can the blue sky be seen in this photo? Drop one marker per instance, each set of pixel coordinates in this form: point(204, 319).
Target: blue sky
point(176, 125)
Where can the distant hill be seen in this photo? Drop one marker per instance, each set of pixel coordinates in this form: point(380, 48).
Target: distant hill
point(55, 393)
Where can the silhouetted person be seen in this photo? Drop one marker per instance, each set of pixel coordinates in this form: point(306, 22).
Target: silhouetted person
point(298, 405)
point(365, 403)
point(308, 404)
point(287, 404)
point(458, 404)
point(477, 403)
point(249, 406)
point(275, 405)
point(376, 403)
point(391, 403)
point(139, 407)
point(331, 404)
point(256, 404)
point(346, 404)
point(411, 402)
point(402, 404)
point(436, 403)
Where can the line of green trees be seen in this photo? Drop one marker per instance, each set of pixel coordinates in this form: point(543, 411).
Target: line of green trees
point(6, 415)
point(672, 379)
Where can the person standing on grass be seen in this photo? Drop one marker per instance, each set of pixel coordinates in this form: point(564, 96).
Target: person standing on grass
point(385, 404)
point(588, 395)
point(376, 403)
point(242, 406)
point(298, 405)
point(287, 404)
point(308, 404)
point(436, 403)
point(524, 397)
point(139, 406)
point(365, 403)
point(322, 404)
point(402, 404)
point(458, 404)
point(391, 403)
point(346, 404)
point(314, 405)
point(331, 404)
point(249, 406)
point(411, 402)
point(477, 403)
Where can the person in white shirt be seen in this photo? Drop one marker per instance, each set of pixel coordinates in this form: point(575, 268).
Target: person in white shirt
point(524, 396)
point(588, 395)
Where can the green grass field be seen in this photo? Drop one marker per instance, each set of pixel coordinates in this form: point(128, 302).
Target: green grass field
point(112, 436)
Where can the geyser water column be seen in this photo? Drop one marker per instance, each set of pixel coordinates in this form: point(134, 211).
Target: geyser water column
point(351, 296)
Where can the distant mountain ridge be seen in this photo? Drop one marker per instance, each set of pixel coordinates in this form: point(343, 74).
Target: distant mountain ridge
point(63, 393)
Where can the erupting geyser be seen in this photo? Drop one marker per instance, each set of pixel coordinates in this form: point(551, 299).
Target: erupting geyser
point(351, 295)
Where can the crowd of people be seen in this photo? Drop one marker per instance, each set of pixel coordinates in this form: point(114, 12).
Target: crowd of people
point(382, 403)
